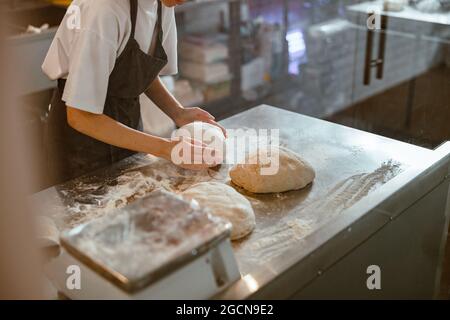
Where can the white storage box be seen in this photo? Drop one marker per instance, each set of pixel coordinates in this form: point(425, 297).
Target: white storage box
point(207, 73)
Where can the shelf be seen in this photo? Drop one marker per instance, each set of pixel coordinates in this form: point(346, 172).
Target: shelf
point(189, 5)
point(17, 6)
point(408, 13)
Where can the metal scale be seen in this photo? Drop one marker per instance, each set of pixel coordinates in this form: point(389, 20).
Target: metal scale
point(158, 247)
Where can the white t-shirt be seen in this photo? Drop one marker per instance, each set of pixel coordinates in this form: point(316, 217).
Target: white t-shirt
point(86, 56)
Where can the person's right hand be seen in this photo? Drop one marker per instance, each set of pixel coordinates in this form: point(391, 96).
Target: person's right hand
point(197, 150)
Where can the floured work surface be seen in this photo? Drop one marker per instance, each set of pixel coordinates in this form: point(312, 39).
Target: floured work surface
point(350, 164)
point(138, 245)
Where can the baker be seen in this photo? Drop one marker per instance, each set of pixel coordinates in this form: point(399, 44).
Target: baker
point(115, 54)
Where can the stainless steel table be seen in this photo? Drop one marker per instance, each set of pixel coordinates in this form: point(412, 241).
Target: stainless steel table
point(375, 201)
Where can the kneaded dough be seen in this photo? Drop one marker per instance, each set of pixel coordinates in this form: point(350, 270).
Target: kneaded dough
point(294, 173)
point(225, 202)
point(207, 133)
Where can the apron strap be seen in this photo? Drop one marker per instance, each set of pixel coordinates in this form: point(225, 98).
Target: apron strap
point(159, 49)
point(133, 13)
point(61, 84)
point(159, 22)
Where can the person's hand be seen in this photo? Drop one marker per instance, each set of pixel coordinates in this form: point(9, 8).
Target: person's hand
point(172, 3)
point(188, 115)
point(197, 150)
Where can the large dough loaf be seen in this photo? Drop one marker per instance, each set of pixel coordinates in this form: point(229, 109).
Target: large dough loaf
point(294, 173)
point(225, 202)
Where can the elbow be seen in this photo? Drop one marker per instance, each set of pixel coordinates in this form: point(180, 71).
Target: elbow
point(76, 118)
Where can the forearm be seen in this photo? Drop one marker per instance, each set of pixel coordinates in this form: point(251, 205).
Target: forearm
point(159, 94)
point(110, 131)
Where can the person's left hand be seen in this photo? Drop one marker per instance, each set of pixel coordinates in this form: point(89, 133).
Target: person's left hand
point(188, 115)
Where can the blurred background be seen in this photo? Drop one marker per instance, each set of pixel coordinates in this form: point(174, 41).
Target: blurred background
point(20, 262)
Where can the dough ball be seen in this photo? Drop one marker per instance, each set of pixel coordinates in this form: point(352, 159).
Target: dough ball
point(225, 202)
point(293, 172)
point(209, 134)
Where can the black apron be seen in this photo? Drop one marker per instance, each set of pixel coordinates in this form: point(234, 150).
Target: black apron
point(71, 153)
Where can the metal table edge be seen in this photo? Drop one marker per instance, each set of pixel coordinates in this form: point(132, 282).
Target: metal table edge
point(378, 202)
